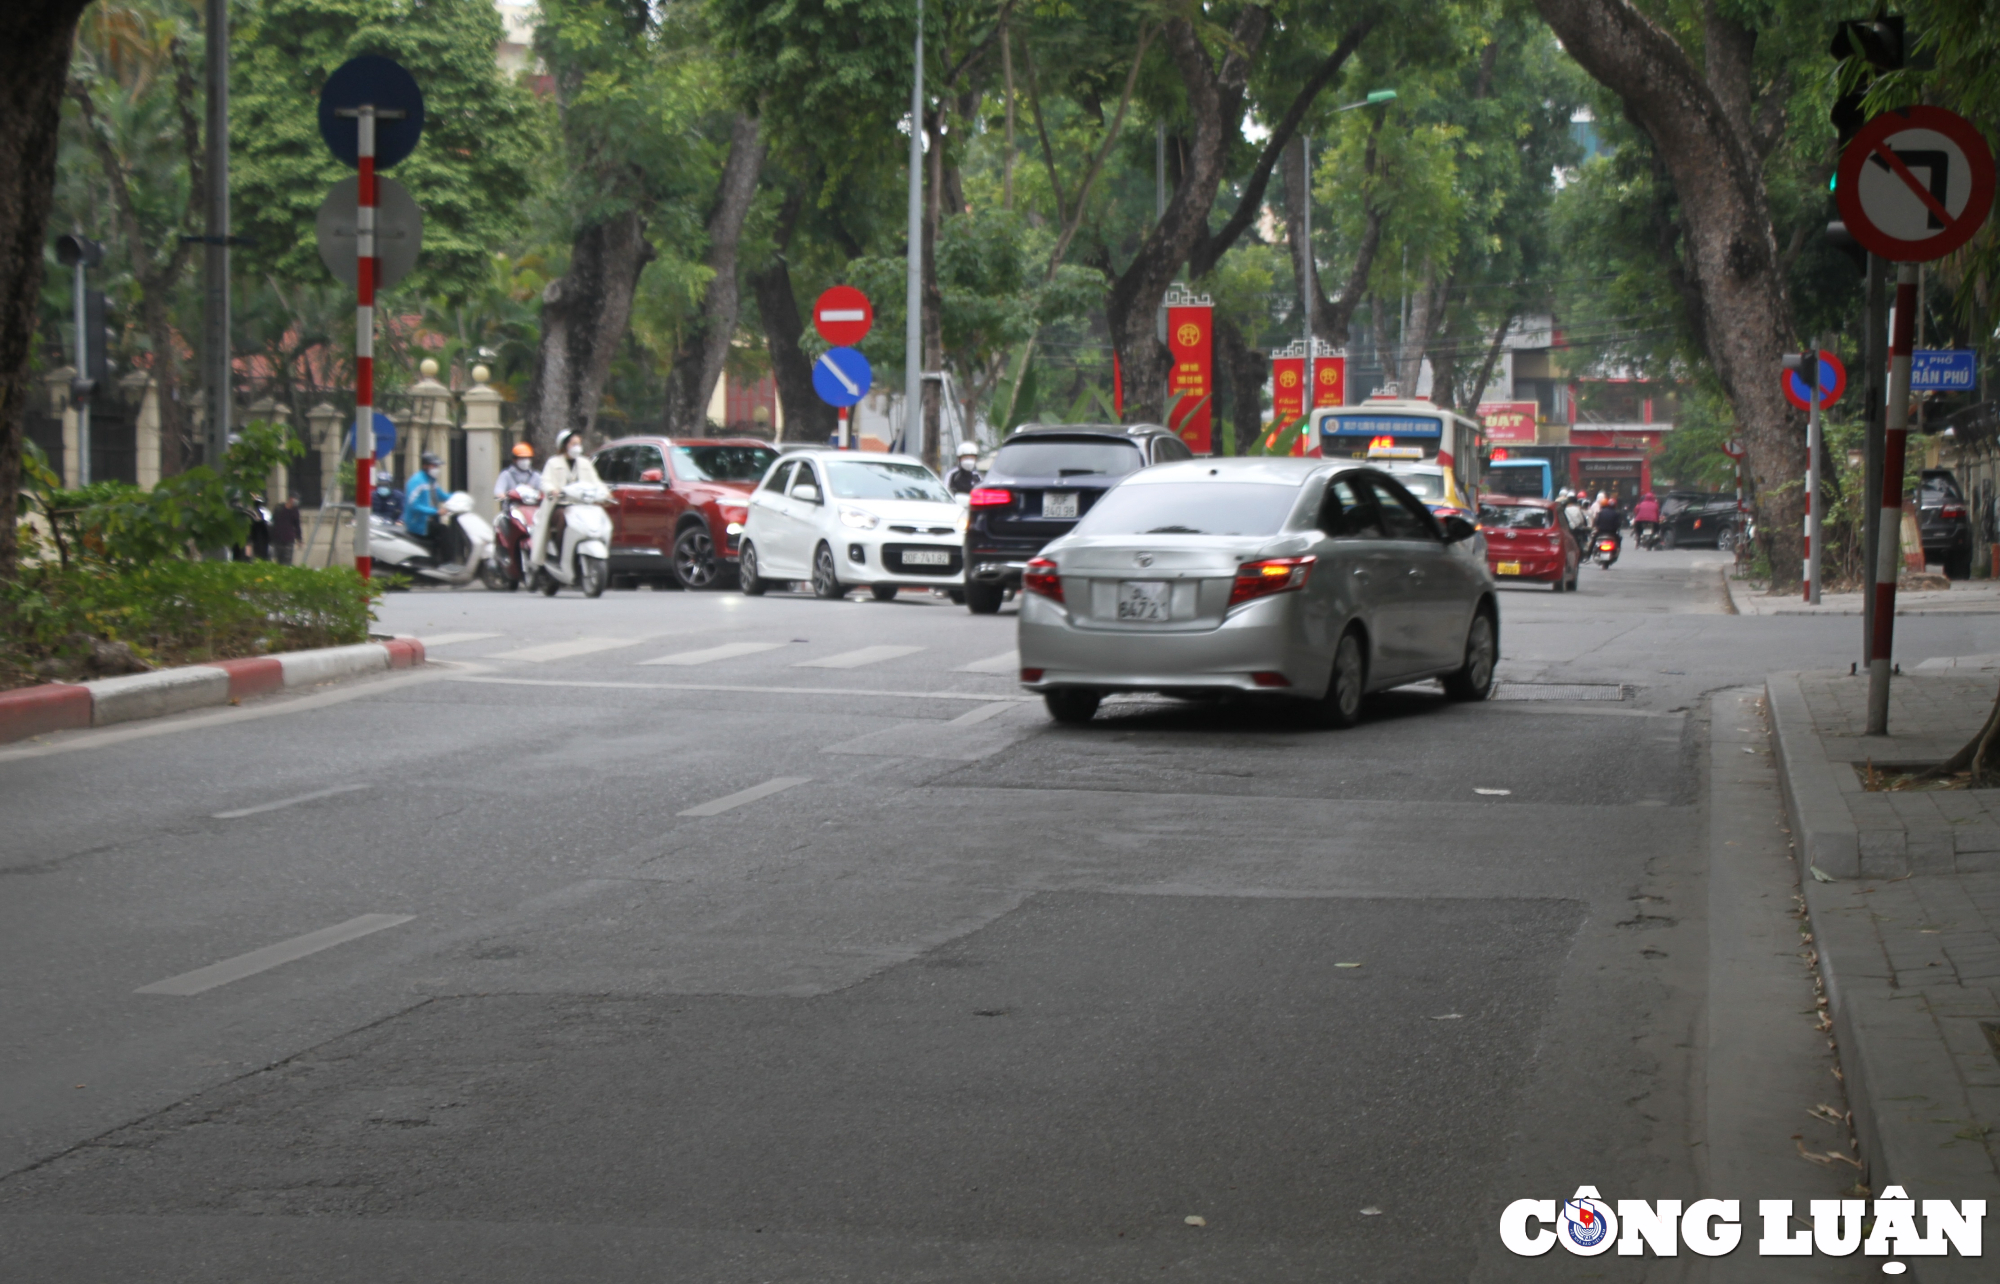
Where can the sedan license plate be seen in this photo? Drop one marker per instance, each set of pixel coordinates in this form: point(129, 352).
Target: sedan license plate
point(1506, 568)
point(1059, 503)
point(926, 557)
point(1144, 601)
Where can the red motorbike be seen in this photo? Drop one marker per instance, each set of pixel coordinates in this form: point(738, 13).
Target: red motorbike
point(513, 535)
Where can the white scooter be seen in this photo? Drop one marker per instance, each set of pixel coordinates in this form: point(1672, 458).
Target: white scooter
point(467, 536)
point(586, 543)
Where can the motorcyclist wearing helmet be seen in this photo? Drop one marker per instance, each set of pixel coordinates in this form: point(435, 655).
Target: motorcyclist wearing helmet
point(422, 502)
point(519, 472)
point(966, 476)
point(567, 466)
point(1609, 521)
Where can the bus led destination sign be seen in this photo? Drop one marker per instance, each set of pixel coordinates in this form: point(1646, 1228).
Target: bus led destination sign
point(1380, 426)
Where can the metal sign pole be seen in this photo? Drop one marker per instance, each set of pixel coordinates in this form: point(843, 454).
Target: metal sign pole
point(1873, 363)
point(82, 373)
point(364, 337)
point(913, 292)
point(1812, 476)
point(1309, 390)
point(1889, 556)
point(215, 355)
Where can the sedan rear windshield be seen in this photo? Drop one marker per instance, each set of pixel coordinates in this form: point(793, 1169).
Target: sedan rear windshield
point(722, 463)
point(1422, 485)
point(854, 479)
point(1191, 508)
point(1058, 458)
point(1520, 517)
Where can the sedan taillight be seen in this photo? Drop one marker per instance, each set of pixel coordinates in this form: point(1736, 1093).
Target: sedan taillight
point(1952, 512)
point(1041, 576)
point(1272, 575)
point(991, 497)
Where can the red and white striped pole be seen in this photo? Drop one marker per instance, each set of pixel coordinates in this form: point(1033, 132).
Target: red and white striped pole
point(364, 336)
point(1813, 430)
point(1889, 555)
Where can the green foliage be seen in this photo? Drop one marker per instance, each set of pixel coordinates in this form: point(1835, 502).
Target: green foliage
point(470, 174)
point(179, 612)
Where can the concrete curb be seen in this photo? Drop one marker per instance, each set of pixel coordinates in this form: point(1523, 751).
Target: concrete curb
point(64, 706)
point(1822, 826)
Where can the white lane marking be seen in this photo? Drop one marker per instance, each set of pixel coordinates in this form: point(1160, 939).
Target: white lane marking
point(241, 812)
point(1005, 662)
point(207, 978)
point(750, 795)
point(980, 696)
point(727, 651)
point(855, 659)
point(446, 639)
point(985, 711)
point(564, 650)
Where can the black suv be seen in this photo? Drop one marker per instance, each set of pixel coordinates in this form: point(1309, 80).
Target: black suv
point(1691, 519)
point(1044, 477)
point(1944, 522)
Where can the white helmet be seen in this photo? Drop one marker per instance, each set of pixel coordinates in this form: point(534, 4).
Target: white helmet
point(968, 448)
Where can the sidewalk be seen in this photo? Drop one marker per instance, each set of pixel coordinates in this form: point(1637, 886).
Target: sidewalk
point(1964, 597)
point(1904, 895)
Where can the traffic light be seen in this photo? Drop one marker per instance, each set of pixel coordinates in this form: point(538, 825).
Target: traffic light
point(1879, 43)
point(1843, 240)
point(72, 251)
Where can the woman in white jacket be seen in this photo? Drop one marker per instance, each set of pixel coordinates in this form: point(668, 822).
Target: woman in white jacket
point(566, 467)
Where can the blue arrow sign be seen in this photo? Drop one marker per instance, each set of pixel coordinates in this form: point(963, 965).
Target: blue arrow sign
point(841, 377)
point(1943, 370)
point(384, 85)
point(385, 436)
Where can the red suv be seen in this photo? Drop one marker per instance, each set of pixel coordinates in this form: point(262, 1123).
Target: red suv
point(677, 505)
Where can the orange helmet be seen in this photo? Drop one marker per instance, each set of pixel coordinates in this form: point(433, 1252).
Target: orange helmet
point(522, 450)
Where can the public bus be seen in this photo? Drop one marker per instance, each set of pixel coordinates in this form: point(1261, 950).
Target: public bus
point(1403, 435)
point(1525, 478)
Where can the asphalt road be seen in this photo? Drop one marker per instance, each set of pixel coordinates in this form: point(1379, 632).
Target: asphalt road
point(692, 936)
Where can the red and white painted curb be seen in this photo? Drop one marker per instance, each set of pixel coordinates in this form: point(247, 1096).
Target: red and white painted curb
point(65, 706)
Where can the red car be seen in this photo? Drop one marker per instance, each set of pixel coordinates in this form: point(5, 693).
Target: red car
point(677, 505)
point(1526, 540)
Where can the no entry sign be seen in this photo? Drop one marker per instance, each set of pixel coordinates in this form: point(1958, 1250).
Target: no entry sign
point(1832, 382)
point(1915, 184)
point(843, 316)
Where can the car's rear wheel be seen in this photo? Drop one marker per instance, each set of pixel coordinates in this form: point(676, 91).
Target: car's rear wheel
point(747, 579)
point(1072, 705)
point(1473, 680)
point(1670, 540)
point(882, 592)
point(1561, 581)
point(1340, 707)
point(984, 599)
point(826, 576)
point(695, 564)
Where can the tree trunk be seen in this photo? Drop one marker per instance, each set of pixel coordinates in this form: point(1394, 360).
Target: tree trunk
point(1696, 126)
point(1425, 307)
point(807, 418)
point(584, 315)
point(1247, 368)
point(698, 364)
point(35, 38)
point(1215, 106)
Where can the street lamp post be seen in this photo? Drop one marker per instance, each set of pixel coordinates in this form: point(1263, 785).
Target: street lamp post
point(81, 253)
point(1306, 273)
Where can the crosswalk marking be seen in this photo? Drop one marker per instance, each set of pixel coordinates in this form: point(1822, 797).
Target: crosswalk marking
point(727, 651)
point(564, 650)
point(1005, 662)
point(741, 796)
point(446, 639)
point(855, 659)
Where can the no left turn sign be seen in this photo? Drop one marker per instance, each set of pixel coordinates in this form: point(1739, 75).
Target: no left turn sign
point(1915, 184)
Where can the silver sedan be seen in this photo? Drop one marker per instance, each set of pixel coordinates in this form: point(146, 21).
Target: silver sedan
point(1302, 578)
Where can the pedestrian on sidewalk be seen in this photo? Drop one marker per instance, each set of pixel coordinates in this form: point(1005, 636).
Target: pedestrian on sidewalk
point(285, 530)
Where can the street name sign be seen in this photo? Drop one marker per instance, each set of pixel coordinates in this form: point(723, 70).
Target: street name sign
point(1944, 370)
point(841, 376)
point(843, 316)
point(1915, 184)
point(399, 232)
point(377, 82)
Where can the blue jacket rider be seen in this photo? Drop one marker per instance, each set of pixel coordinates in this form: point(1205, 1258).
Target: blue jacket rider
point(424, 499)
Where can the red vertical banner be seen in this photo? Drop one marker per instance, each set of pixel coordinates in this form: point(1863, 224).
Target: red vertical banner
point(1288, 395)
point(1191, 382)
point(1329, 382)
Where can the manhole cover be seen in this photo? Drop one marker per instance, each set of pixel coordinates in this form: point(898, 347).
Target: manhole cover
point(1559, 691)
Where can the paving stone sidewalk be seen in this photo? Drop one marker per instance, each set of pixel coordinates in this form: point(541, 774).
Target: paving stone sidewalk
point(1908, 927)
point(1965, 597)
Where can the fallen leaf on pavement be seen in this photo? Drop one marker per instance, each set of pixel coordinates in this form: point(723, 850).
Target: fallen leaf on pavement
point(1493, 793)
point(1820, 875)
point(1449, 1016)
point(1371, 1211)
point(1347, 965)
point(1195, 1221)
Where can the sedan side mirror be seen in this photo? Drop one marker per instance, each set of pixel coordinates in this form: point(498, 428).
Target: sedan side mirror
point(656, 475)
point(1457, 528)
point(806, 494)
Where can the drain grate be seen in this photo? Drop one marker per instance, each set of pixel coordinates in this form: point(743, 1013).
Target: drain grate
point(1559, 691)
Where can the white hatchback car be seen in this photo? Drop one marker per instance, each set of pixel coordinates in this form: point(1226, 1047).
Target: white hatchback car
point(843, 521)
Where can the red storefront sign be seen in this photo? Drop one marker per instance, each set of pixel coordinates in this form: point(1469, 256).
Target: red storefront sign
point(1191, 382)
point(1509, 423)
